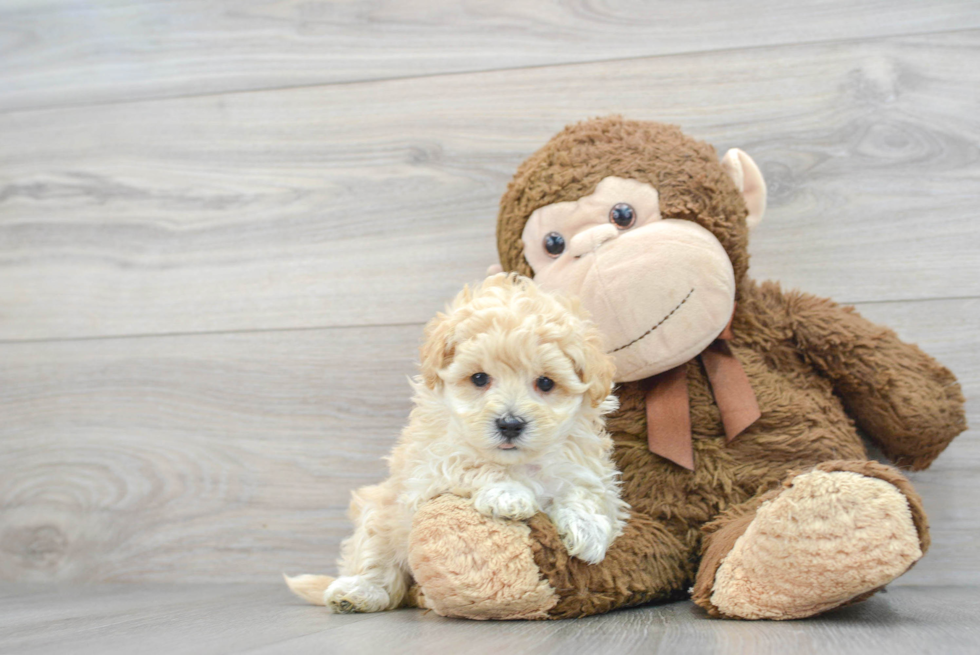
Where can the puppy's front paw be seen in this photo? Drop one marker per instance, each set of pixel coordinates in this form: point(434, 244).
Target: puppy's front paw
point(586, 536)
point(506, 501)
point(355, 593)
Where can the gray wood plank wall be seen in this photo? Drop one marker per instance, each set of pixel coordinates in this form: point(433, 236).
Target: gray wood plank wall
point(222, 226)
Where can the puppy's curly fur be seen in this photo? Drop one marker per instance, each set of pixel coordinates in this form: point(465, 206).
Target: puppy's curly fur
point(509, 411)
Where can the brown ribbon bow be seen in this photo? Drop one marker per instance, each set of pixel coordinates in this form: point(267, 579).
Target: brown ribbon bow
point(668, 405)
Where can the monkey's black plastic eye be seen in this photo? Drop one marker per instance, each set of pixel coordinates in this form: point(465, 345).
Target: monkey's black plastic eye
point(554, 244)
point(544, 384)
point(480, 379)
point(622, 215)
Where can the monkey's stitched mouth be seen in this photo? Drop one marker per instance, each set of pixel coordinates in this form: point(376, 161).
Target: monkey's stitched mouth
point(661, 322)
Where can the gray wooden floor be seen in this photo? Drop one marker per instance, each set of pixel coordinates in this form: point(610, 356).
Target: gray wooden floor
point(223, 224)
point(217, 619)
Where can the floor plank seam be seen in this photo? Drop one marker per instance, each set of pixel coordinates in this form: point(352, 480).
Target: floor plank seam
point(206, 333)
point(361, 326)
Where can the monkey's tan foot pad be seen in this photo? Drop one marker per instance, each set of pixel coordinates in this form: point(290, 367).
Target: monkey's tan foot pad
point(827, 539)
point(475, 567)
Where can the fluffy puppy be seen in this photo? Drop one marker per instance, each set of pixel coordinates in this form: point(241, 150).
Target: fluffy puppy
point(508, 411)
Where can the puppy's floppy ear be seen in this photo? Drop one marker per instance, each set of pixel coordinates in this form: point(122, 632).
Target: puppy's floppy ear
point(439, 343)
point(594, 367)
point(437, 349)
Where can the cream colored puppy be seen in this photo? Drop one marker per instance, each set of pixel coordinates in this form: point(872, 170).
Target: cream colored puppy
point(508, 411)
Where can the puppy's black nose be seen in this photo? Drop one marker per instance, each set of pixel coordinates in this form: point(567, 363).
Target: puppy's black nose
point(510, 427)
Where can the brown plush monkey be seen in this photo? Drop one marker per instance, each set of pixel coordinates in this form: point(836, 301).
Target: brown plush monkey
point(762, 496)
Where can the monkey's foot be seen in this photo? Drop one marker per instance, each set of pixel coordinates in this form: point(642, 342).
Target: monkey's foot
point(472, 566)
point(828, 538)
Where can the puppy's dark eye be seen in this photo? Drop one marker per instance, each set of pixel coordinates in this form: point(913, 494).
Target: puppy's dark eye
point(544, 384)
point(554, 244)
point(622, 215)
point(480, 379)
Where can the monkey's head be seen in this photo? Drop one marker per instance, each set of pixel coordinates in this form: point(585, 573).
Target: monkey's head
point(645, 225)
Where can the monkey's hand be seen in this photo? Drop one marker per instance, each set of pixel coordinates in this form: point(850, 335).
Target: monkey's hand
point(902, 398)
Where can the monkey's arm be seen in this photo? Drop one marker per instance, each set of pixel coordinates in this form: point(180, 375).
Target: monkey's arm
point(469, 566)
point(902, 398)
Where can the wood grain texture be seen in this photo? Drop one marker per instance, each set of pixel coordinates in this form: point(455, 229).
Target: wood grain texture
point(372, 203)
point(230, 457)
point(216, 457)
point(254, 619)
point(60, 52)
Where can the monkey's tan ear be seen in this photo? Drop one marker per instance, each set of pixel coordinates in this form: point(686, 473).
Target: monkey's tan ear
point(493, 269)
point(748, 180)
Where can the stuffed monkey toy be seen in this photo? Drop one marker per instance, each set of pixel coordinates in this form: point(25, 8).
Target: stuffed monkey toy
point(742, 405)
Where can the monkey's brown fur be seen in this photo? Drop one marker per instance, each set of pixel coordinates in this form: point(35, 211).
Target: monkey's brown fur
point(821, 373)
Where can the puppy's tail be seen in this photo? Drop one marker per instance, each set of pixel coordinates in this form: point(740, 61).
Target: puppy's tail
point(309, 587)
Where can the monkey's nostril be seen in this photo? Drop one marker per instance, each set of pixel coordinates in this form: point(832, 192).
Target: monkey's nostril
point(510, 426)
